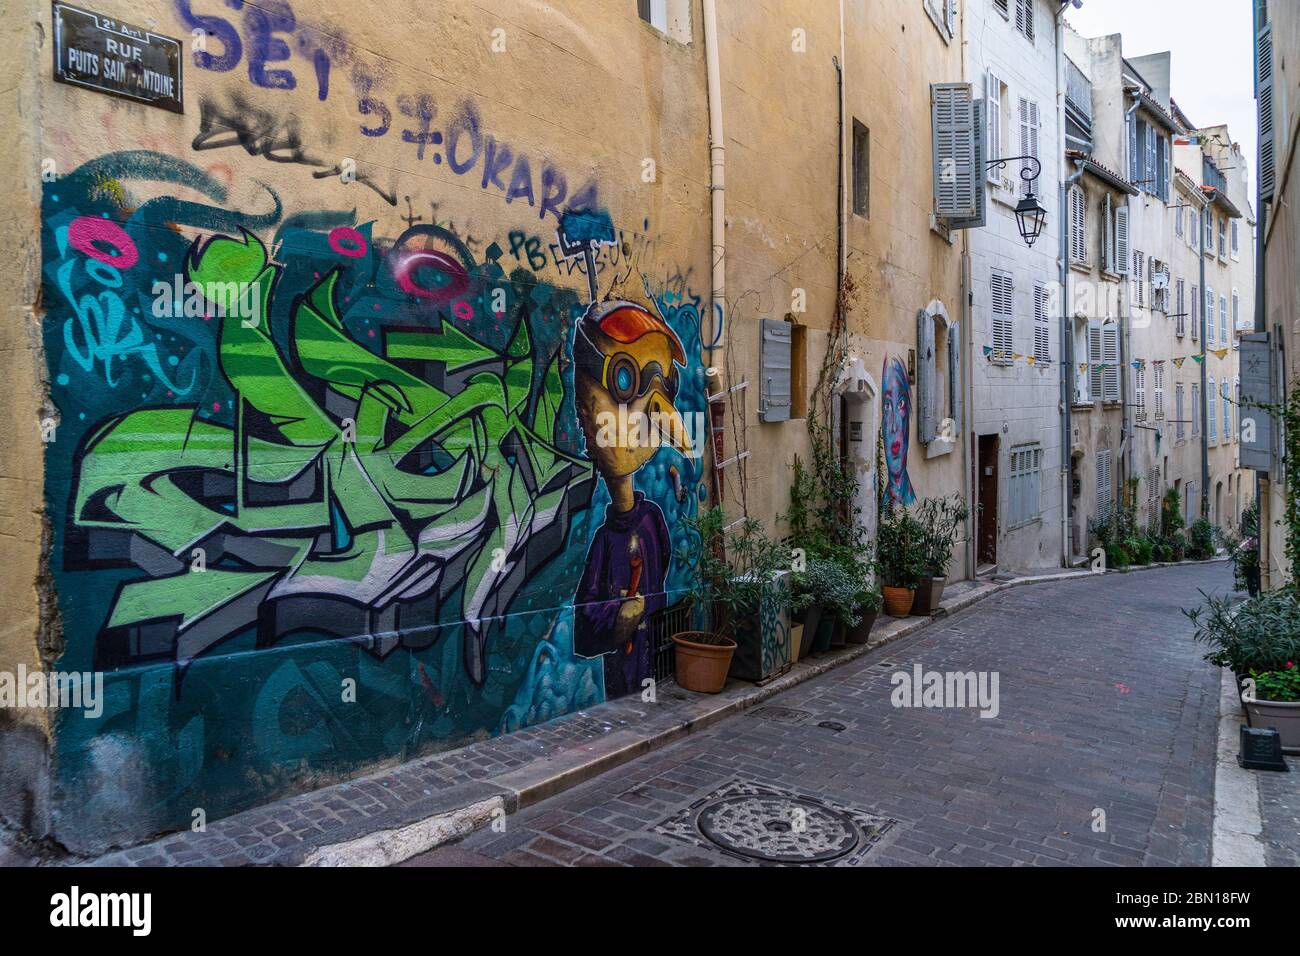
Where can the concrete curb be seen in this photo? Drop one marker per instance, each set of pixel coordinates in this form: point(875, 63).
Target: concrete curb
point(1237, 820)
point(547, 777)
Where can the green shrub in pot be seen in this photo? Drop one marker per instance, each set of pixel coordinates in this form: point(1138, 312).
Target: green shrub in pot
point(901, 555)
point(939, 519)
point(1259, 634)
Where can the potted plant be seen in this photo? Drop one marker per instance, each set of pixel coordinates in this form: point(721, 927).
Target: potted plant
point(939, 518)
point(1260, 636)
point(1200, 545)
point(832, 588)
point(867, 607)
point(734, 574)
point(900, 557)
point(1272, 699)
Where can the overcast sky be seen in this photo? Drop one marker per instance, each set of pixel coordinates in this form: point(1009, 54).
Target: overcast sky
point(1212, 44)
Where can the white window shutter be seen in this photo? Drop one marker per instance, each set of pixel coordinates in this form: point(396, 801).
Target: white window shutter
point(1042, 325)
point(1140, 391)
point(1158, 384)
point(1094, 360)
point(993, 119)
point(1107, 235)
point(1121, 239)
point(1028, 134)
point(952, 125)
point(925, 375)
point(1001, 293)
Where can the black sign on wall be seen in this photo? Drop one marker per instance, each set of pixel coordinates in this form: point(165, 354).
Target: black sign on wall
point(113, 57)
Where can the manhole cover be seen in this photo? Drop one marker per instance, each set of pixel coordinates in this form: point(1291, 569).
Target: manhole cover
point(766, 825)
point(834, 725)
point(783, 715)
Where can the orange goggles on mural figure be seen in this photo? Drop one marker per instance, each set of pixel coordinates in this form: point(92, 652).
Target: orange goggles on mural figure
point(619, 373)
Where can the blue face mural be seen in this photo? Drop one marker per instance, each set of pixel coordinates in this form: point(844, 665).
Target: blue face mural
point(896, 428)
point(365, 513)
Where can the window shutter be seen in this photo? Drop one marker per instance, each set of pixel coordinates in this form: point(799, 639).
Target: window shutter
point(774, 400)
point(1094, 360)
point(1158, 384)
point(1131, 124)
point(1103, 484)
point(1001, 293)
point(952, 128)
point(1107, 234)
point(1028, 134)
point(950, 11)
point(1181, 308)
point(1078, 228)
point(977, 221)
point(1264, 96)
point(1150, 174)
point(993, 120)
point(1212, 414)
point(925, 397)
point(1110, 356)
point(1209, 316)
point(1025, 18)
point(1042, 325)
point(1226, 391)
point(956, 400)
point(1223, 321)
point(1196, 312)
point(1162, 166)
point(1003, 7)
point(1140, 392)
point(1121, 239)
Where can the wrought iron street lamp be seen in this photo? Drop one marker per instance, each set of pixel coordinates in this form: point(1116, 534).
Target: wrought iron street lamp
point(1030, 214)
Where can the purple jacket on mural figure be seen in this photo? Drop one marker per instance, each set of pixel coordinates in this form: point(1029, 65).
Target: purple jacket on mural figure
point(628, 556)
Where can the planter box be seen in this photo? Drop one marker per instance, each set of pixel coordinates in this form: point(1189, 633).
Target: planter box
point(763, 643)
point(1280, 715)
point(929, 594)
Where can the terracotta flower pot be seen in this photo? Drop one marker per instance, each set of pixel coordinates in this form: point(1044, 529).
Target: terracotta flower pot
point(898, 601)
point(929, 595)
point(862, 633)
point(702, 667)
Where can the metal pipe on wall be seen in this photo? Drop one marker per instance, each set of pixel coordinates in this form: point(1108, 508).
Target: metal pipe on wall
point(717, 173)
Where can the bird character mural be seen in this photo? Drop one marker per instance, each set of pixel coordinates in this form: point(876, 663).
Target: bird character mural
point(626, 378)
point(896, 426)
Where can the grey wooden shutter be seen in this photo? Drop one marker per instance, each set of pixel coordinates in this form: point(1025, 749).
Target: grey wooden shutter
point(1110, 356)
point(926, 424)
point(956, 396)
point(1078, 227)
point(1107, 234)
point(1121, 240)
point(952, 128)
point(1264, 96)
point(981, 192)
point(774, 397)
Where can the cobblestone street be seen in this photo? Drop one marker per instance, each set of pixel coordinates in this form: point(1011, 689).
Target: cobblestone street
point(1105, 705)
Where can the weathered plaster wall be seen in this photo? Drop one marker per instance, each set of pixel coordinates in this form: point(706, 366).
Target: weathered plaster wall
point(30, 629)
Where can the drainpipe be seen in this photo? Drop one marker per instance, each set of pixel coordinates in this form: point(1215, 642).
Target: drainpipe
point(1067, 369)
point(1067, 332)
point(1128, 447)
point(1201, 221)
point(717, 174)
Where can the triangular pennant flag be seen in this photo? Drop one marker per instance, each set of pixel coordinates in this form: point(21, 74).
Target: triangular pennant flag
point(1178, 362)
point(1029, 359)
point(1083, 368)
point(1198, 358)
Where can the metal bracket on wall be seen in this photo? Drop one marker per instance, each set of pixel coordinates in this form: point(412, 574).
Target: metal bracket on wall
point(719, 396)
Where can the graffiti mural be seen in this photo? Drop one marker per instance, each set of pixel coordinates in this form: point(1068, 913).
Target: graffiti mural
point(896, 430)
point(328, 491)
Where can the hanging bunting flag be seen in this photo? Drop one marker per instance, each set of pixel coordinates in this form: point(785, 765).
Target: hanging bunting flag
point(1029, 359)
point(1083, 368)
point(1138, 364)
point(1198, 358)
point(1178, 362)
point(988, 350)
point(1220, 353)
